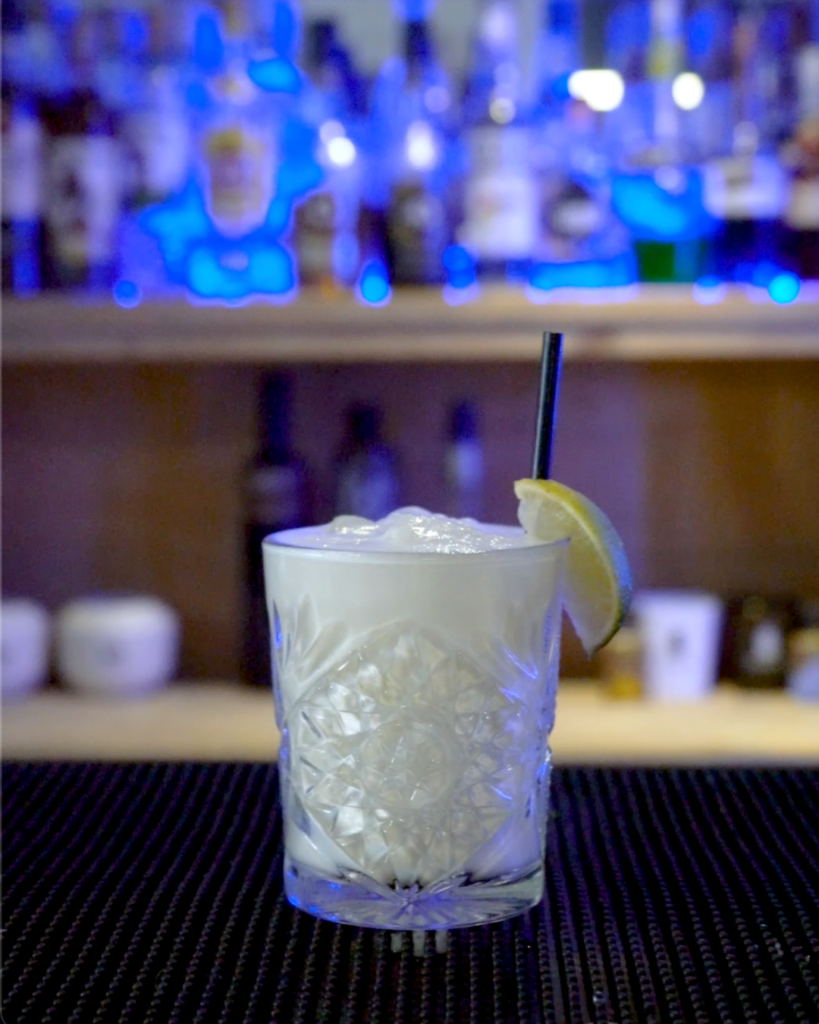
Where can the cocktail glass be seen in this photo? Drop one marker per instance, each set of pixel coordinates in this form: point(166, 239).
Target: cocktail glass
point(415, 694)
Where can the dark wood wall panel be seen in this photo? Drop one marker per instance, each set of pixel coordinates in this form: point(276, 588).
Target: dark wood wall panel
point(129, 478)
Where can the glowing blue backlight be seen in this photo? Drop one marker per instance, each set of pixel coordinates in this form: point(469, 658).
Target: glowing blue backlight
point(373, 285)
point(127, 294)
point(274, 75)
point(459, 265)
point(654, 212)
point(784, 288)
point(617, 272)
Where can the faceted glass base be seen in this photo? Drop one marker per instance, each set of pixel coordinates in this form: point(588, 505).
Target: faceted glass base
point(455, 903)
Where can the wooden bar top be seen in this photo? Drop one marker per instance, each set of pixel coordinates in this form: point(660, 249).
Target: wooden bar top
point(219, 721)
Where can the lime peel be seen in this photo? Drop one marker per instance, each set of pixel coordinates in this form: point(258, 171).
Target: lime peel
point(598, 588)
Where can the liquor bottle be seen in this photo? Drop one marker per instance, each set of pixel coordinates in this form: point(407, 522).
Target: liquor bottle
point(233, 247)
point(326, 217)
point(580, 241)
point(157, 139)
point(745, 187)
point(754, 653)
point(658, 192)
point(418, 217)
point(800, 155)
point(500, 199)
point(276, 490)
point(83, 195)
point(22, 191)
point(464, 464)
point(236, 139)
point(366, 476)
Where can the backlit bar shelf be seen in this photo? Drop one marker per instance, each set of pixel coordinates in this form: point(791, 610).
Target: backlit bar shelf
point(634, 325)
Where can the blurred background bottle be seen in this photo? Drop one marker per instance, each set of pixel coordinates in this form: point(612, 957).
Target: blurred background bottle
point(754, 648)
point(84, 171)
point(326, 219)
point(22, 191)
point(500, 202)
point(745, 185)
point(366, 470)
point(800, 155)
point(658, 193)
point(276, 490)
point(464, 463)
point(413, 107)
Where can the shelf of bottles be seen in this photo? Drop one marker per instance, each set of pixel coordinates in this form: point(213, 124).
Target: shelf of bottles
point(223, 151)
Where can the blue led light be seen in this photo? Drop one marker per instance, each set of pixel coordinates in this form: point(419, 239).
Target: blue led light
point(373, 285)
point(275, 75)
point(459, 265)
point(127, 294)
point(763, 273)
point(613, 273)
point(654, 212)
point(784, 288)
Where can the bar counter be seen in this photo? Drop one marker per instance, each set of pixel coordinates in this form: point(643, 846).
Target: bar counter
point(152, 894)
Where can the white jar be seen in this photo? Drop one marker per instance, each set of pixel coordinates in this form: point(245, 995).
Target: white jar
point(116, 646)
point(26, 628)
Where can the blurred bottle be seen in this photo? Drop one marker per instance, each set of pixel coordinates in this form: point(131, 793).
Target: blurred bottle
point(621, 662)
point(417, 107)
point(84, 173)
point(754, 648)
point(803, 652)
point(145, 80)
point(708, 117)
point(658, 195)
point(276, 496)
point(745, 187)
point(326, 219)
point(366, 474)
point(500, 200)
point(800, 155)
point(233, 225)
point(464, 464)
point(22, 191)
point(580, 241)
point(235, 147)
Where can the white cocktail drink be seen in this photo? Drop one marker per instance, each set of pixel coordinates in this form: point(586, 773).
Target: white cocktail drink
point(415, 670)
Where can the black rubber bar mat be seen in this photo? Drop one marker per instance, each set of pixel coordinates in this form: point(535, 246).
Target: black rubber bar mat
point(151, 894)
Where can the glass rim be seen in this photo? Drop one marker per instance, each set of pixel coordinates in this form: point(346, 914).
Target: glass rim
point(518, 553)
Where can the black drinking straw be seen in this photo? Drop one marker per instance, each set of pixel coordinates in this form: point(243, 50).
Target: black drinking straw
point(547, 404)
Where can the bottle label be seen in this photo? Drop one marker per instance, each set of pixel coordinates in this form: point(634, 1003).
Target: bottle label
point(239, 178)
point(316, 224)
point(802, 212)
point(22, 175)
point(740, 188)
point(500, 197)
point(83, 199)
point(160, 143)
point(416, 233)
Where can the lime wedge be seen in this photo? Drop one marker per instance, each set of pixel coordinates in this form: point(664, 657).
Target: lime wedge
point(597, 591)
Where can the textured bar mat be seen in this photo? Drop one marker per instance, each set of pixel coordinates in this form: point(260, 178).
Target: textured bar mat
point(151, 894)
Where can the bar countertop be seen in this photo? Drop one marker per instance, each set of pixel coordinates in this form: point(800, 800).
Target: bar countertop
point(222, 721)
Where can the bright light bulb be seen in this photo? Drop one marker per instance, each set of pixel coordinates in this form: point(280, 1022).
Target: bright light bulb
point(600, 88)
point(341, 151)
point(421, 147)
point(688, 90)
point(502, 109)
